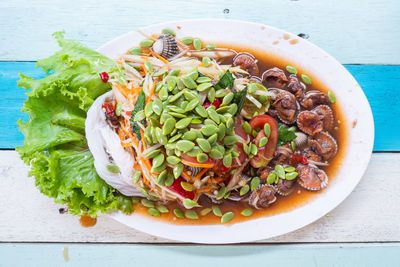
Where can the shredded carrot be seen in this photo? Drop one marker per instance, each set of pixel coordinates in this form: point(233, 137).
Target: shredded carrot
point(146, 163)
point(206, 189)
point(194, 164)
point(199, 174)
point(123, 89)
point(258, 196)
point(144, 142)
point(186, 175)
point(151, 93)
point(159, 57)
point(133, 139)
point(137, 90)
point(136, 166)
point(216, 180)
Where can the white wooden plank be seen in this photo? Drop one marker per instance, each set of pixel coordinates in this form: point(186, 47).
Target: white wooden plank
point(197, 256)
point(352, 31)
point(369, 214)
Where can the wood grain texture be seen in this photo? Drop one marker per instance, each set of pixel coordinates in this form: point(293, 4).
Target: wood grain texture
point(369, 214)
point(379, 82)
point(351, 31)
point(138, 255)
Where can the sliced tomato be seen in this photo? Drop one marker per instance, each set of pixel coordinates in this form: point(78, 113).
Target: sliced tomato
point(217, 102)
point(266, 153)
point(177, 188)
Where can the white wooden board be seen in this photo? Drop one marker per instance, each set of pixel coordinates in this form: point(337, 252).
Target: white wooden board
point(370, 214)
point(352, 31)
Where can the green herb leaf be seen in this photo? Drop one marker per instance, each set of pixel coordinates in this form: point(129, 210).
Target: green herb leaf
point(238, 99)
point(285, 135)
point(138, 107)
point(226, 81)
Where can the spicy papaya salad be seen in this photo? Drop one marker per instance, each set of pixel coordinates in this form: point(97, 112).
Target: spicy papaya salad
point(186, 121)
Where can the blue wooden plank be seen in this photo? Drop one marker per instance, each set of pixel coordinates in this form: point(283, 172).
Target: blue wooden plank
point(379, 82)
point(145, 255)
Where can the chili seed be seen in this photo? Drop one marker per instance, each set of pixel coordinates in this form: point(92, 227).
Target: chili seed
point(280, 171)
point(173, 160)
point(203, 144)
point(212, 139)
point(253, 149)
point(158, 160)
point(255, 182)
point(216, 210)
point(148, 66)
point(209, 130)
point(191, 214)
point(227, 99)
point(221, 131)
point(205, 211)
point(187, 186)
point(203, 79)
point(174, 138)
point(183, 123)
point(306, 79)
point(192, 104)
point(139, 116)
point(194, 152)
point(162, 208)
point(263, 142)
point(111, 167)
point(184, 145)
point(161, 177)
point(221, 193)
point(210, 47)
point(203, 86)
point(206, 61)
point(202, 157)
point(178, 170)
point(227, 161)
point(178, 213)
point(291, 69)
point(147, 203)
point(332, 97)
point(246, 127)
point(244, 190)
point(168, 31)
point(213, 115)
point(168, 126)
point(271, 178)
point(152, 154)
point(211, 94)
point(189, 135)
point(230, 140)
point(135, 51)
point(247, 212)
point(153, 212)
point(169, 180)
point(291, 176)
point(227, 217)
point(290, 169)
point(189, 83)
point(136, 177)
point(216, 154)
point(187, 40)
point(146, 43)
point(197, 44)
point(233, 109)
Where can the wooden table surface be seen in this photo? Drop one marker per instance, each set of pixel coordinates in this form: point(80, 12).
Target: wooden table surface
point(362, 231)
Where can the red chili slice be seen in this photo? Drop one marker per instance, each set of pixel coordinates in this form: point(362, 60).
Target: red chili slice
point(217, 102)
point(104, 77)
point(298, 159)
point(177, 188)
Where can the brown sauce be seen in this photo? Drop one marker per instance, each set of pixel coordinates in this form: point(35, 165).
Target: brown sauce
point(299, 197)
point(87, 221)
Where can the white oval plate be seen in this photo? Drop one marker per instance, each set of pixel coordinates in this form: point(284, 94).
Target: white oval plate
point(318, 63)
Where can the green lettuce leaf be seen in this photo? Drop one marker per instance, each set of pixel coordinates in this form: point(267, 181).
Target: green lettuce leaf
point(55, 145)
